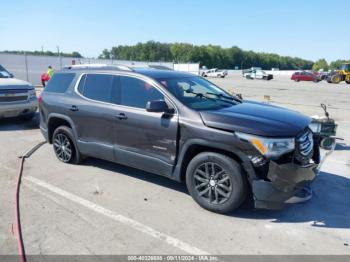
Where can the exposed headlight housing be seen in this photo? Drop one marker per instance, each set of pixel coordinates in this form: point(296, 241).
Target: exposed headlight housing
point(269, 147)
point(315, 127)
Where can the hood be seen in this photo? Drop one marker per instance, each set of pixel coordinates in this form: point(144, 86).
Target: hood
point(257, 119)
point(13, 83)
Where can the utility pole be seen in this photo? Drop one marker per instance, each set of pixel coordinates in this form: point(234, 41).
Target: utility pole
point(59, 57)
point(26, 65)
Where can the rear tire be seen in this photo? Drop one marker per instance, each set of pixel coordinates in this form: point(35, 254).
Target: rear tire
point(336, 79)
point(216, 182)
point(64, 146)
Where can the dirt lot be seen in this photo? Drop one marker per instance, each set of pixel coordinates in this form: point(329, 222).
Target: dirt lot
point(103, 208)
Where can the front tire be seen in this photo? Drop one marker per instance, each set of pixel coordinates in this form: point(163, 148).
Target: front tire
point(64, 147)
point(336, 79)
point(216, 182)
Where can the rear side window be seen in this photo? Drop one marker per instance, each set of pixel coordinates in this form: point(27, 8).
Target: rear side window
point(97, 87)
point(136, 93)
point(81, 84)
point(59, 83)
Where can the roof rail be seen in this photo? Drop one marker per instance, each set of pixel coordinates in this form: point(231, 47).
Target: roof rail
point(99, 67)
point(161, 67)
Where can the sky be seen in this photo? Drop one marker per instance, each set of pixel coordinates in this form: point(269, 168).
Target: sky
point(310, 29)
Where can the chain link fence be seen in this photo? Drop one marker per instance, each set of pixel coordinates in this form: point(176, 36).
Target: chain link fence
point(30, 68)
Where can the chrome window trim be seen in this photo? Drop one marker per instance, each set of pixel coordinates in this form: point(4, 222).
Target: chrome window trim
point(143, 78)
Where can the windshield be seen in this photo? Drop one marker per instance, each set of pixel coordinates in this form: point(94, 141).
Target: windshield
point(198, 93)
point(4, 73)
point(345, 67)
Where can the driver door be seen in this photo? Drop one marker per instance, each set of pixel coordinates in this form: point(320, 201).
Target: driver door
point(144, 140)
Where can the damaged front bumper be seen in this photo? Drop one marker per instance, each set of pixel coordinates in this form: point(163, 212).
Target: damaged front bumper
point(284, 181)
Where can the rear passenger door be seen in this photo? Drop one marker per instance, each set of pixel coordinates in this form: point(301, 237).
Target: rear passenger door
point(93, 114)
point(145, 140)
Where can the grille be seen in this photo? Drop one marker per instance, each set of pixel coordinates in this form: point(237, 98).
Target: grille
point(328, 129)
point(305, 143)
point(13, 98)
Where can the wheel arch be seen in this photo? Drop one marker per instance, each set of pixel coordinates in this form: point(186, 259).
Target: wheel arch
point(196, 146)
point(56, 120)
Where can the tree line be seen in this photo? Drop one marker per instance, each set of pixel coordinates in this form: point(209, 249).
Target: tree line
point(74, 54)
point(207, 55)
point(322, 64)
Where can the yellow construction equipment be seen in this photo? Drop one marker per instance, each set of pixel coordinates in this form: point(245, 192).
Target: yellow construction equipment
point(340, 75)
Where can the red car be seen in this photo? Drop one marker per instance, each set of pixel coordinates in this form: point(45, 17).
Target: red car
point(305, 76)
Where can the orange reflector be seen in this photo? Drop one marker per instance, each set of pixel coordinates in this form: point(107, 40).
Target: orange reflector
point(259, 146)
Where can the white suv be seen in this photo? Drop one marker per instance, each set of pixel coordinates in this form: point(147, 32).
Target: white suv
point(17, 97)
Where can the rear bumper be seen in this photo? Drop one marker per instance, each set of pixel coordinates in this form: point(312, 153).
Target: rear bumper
point(18, 109)
point(285, 181)
point(45, 133)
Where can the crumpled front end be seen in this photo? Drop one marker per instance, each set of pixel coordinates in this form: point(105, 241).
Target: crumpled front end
point(283, 181)
point(282, 178)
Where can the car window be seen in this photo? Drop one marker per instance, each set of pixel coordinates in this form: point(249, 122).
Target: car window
point(4, 73)
point(197, 93)
point(81, 84)
point(98, 87)
point(190, 89)
point(59, 82)
point(136, 93)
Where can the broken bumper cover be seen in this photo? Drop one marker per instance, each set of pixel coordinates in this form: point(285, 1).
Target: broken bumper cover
point(285, 181)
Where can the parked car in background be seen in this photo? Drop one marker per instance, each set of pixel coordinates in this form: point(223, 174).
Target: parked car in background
point(305, 76)
point(17, 97)
point(257, 74)
point(323, 75)
point(183, 127)
point(215, 73)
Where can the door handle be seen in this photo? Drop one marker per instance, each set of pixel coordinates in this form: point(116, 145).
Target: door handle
point(121, 116)
point(74, 108)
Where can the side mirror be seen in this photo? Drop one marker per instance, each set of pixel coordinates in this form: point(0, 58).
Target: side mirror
point(158, 106)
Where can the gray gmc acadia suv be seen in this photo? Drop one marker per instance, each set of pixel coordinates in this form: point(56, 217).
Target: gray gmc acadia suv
point(183, 127)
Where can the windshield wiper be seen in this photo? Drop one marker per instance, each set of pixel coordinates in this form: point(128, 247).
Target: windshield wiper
point(220, 96)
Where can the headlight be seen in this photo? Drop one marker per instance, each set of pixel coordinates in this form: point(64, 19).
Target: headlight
point(315, 127)
point(32, 93)
point(269, 147)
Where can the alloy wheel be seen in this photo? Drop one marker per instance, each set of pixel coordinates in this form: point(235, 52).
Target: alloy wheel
point(63, 147)
point(212, 183)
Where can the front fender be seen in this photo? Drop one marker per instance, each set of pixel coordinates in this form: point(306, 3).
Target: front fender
point(215, 146)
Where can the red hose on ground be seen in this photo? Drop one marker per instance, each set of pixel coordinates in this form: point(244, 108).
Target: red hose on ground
point(18, 229)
